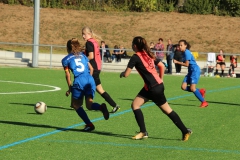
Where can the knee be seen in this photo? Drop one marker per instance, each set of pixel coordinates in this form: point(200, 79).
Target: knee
point(183, 88)
point(192, 89)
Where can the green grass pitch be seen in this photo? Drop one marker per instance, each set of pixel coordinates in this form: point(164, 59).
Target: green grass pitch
point(57, 134)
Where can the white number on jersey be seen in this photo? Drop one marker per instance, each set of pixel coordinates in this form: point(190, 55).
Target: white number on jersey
point(79, 64)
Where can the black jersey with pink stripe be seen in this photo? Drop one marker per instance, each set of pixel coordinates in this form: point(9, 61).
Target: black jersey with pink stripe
point(145, 66)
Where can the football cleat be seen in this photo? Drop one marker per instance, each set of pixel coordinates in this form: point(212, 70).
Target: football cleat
point(115, 109)
point(204, 104)
point(88, 128)
point(186, 136)
point(140, 135)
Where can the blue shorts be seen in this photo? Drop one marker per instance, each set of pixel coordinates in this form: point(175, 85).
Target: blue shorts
point(193, 75)
point(83, 86)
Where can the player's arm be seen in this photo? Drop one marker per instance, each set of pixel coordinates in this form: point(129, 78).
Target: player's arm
point(186, 63)
point(161, 67)
point(68, 79)
point(133, 60)
point(90, 55)
point(90, 48)
point(126, 73)
point(90, 68)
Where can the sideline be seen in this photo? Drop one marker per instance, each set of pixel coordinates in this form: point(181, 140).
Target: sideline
point(53, 90)
point(114, 115)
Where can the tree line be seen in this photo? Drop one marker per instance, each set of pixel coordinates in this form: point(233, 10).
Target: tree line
point(216, 7)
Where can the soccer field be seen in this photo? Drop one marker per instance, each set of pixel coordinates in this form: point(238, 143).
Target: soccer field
point(57, 134)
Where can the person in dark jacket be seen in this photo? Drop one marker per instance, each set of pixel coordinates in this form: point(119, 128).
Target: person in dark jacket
point(178, 56)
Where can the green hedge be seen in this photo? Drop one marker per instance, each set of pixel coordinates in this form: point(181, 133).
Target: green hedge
point(217, 7)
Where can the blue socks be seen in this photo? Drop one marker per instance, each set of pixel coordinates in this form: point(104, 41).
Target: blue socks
point(95, 106)
point(188, 89)
point(83, 115)
point(198, 95)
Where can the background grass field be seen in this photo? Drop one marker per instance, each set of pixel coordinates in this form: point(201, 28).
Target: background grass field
point(57, 133)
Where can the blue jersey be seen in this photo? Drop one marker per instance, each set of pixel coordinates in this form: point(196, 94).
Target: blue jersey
point(83, 84)
point(187, 56)
point(78, 64)
point(193, 69)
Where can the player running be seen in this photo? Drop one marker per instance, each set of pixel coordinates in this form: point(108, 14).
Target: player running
point(144, 61)
point(191, 79)
point(93, 53)
point(83, 84)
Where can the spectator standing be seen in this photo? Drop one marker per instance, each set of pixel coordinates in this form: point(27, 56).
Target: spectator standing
point(178, 56)
point(220, 63)
point(159, 47)
point(169, 55)
point(104, 49)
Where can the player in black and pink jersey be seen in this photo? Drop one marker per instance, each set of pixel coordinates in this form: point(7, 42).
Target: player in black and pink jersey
point(233, 64)
point(93, 53)
point(144, 61)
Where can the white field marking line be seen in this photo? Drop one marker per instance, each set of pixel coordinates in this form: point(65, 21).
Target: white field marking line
point(53, 90)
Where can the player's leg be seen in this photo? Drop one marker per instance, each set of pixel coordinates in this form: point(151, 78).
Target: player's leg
point(103, 93)
point(222, 67)
point(89, 95)
point(217, 68)
point(158, 97)
point(139, 100)
point(185, 83)
point(77, 102)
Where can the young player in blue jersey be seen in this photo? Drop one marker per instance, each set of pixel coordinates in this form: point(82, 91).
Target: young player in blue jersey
point(144, 61)
point(191, 79)
point(83, 84)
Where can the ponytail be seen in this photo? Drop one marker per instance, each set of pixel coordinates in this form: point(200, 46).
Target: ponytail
point(76, 47)
point(142, 45)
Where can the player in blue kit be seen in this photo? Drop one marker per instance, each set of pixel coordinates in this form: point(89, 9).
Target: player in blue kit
point(83, 84)
point(191, 79)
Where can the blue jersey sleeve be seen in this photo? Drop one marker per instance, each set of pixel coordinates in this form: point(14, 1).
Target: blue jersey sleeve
point(64, 62)
point(188, 55)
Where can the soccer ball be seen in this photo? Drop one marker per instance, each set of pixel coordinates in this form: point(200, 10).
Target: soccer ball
point(234, 75)
point(40, 107)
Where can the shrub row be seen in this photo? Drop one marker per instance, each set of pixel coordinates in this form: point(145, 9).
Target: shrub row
point(217, 7)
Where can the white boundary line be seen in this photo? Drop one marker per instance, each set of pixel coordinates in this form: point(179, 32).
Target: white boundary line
point(53, 90)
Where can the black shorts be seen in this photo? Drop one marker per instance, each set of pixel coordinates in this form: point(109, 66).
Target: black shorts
point(96, 77)
point(156, 94)
point(221, 63)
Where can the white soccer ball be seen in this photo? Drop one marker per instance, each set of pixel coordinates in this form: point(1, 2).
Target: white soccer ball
point(40, 107)
point(234, 75)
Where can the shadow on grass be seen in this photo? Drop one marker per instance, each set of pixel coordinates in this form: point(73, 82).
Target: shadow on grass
point(32, 105)
point(177, 104)
point(222, 103)
point(126, 99)
point(76, 130)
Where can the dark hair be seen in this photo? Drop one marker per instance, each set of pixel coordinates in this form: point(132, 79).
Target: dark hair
point(160, 39)
point(141, 45)
point(102, 42)
point(186, 43)
point(69, 46)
